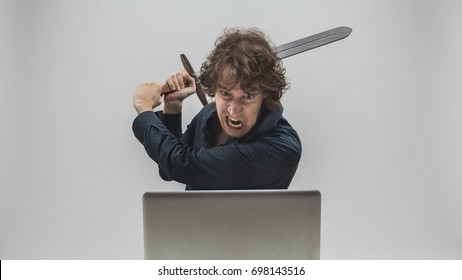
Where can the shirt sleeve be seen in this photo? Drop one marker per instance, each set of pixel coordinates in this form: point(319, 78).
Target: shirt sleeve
point(172, 122)
point(264, 161)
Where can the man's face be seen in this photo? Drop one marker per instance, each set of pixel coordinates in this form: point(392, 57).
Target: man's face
point(237, 110)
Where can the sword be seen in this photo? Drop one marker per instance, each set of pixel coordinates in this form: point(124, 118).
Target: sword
point(283, 51)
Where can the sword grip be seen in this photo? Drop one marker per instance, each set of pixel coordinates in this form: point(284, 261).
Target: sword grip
point(166, 89)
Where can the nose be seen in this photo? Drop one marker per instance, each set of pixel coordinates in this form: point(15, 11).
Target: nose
point(234, 108)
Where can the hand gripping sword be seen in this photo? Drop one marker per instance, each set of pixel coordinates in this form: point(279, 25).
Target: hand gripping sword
point(283, 51)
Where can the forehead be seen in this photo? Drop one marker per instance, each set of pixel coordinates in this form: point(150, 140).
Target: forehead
point(228, 79)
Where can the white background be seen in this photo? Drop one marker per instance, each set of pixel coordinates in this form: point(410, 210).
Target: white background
point(378, 114)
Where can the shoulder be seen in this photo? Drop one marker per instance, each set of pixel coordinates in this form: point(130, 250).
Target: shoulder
point(277, 128)
point(281, 142)
point(285, 135)
point(205, 113)
point(208, 109)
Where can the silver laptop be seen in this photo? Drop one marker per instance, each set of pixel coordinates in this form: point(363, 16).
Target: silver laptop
point(263, 224)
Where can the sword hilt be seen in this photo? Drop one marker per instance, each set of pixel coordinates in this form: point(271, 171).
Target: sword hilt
point(199, 90)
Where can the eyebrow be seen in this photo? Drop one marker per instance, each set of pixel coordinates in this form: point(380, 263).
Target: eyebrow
point(223, 87)
point(254, 91)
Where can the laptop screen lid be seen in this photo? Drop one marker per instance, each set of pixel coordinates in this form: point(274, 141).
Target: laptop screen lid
point(263, 224)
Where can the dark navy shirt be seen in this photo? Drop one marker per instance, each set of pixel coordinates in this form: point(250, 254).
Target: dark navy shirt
point(266, 158)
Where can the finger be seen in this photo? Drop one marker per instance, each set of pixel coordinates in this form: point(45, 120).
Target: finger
point(170, 84)
point(166, 88)
point(180, 79)
point(175, 82)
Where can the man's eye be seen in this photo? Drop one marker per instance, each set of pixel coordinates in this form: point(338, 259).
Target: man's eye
point(224, 92)
point(249, 96)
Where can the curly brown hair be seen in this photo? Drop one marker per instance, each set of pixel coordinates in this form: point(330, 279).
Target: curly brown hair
point(251, 60)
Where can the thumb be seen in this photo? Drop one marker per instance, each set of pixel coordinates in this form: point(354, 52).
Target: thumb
point(190, 80)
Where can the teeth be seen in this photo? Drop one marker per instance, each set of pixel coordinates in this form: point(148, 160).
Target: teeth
point(234, 123)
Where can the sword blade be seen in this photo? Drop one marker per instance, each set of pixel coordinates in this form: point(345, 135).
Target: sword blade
point(283, 51)
point(310, 42)
point(313, 41)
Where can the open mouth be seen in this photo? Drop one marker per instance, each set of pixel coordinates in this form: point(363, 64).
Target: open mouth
point(233, 122)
